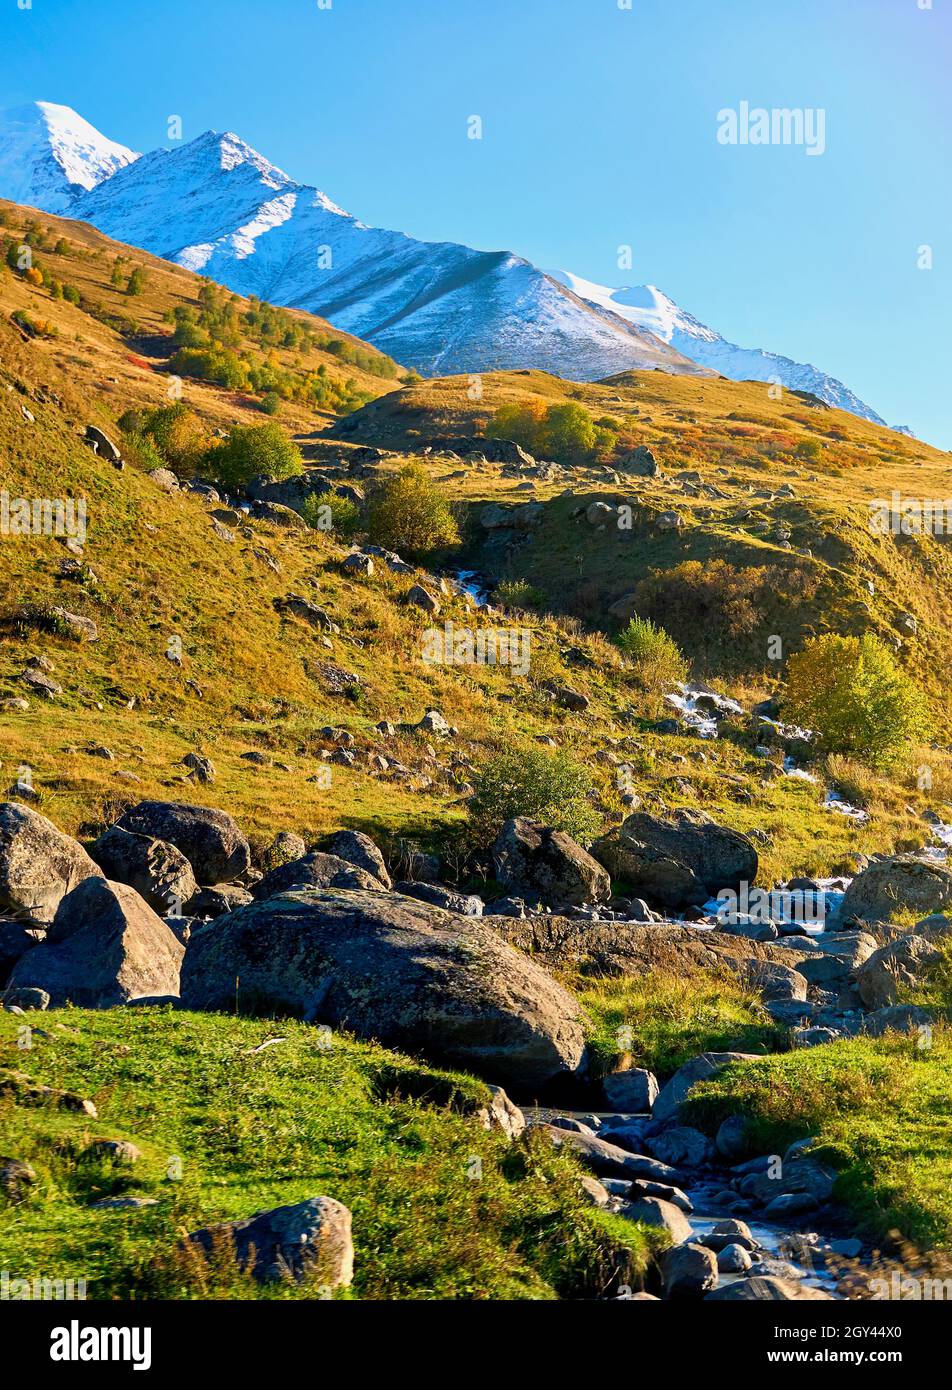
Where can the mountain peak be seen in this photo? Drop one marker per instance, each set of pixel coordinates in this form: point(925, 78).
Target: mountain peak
point(49, 153)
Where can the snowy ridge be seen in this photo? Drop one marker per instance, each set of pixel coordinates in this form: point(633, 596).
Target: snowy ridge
point(649, 308)
point(48, 154)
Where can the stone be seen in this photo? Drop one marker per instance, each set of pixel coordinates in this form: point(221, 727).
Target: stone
point(158, 871)
point(422, 598)
point(894, 969)
point(358, 563)
point(104, 947)
point(677, 862)
point(433, 722)
point(731, 1139)
point(681, 1147)
point(530, 858)
point(201, 769)
point(39, 865)
point(467, 904)
point(897, 1018)
point(765, 1289)
point(900, 883)
point(217, 900)
point(644, 1187)
point(641, 463)
point(74, 625)
point(308, 1240)
point(733, 1259)
point(633, 1091)
point(652, 1211)
point(688, 1271)
point(502, 1114)
point(209, 839)
point(787, 1204)
point(16, 938)
point(608, 1160)
point(165, 479)
point(16, 1179)
point(708, 1064)
point(26, 999)
point(102, 445)
point(121, 1152)
point(592, 1190)
point(314, 870)
point(286, 846)
point(396, 970)
point(359, 849)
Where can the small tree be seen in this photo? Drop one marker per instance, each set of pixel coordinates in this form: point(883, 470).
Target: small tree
point(409, 513)
point(251, 450)
point(857, 698)
point(179, 435)
point(329, 511)
point(658, 660)
point(549, 787)
point(136, 281)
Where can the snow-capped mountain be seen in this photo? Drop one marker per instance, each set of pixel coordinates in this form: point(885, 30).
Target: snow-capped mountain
point(48, 154)
point(219, 208)
point(648, 308)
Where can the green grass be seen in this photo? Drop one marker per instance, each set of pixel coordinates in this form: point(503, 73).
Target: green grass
point(254, 1130)
point(669, 1018)
point(881, 1112)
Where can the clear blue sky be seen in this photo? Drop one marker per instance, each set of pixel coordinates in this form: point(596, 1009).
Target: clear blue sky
point(599, 130)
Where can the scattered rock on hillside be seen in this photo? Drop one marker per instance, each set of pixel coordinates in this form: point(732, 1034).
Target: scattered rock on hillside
point(679, 862)
point(422, 598)
point(16, 1179)
point(165, 479)
point(903, 882)
point(201, 769)
point(394, 969)
point(358, 848)
point(700, 1068)
point(105, 946)
point(893, 969)
point(530, 858)
point(209, 839)
point(466, 904)
point(158, 871)
point(641, 463)
point(309, 1240)
point(314, 870)
point(38, 864)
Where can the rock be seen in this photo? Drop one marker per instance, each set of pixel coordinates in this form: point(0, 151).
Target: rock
point(467, 904)
point(765, 1289)
point(503, 1114)
point(287, 846)
point(700, 1068)
point(592, 1189)
point(433, 723)
point(105, 946)
point(633, 1091)
point(158, 871)
point(600, 514)
point(681, 1147)
point(688, 1271)
point(525, 517)
point(608, 1160)
point(799, 1177)
point(102, 445)
point(644, 1187)
point(669, 521)
point(679, 862)
point(201, 769)
point(788, 1204)
point(121, 1152)
point(309, 1240)
point(38, 864)
point(16, 938)
point(567, 696)
point(358, 848)
point(422, 598)
point(26, 1000)
point(731, 1139)
point(74, 625)
point(358, 563)
point(16, 1179)
point(218, 900)
point(314, 870)
point(641, 463)
point(394, 969)
point(902, 883)
point(165, 479)
point(40, 684)
point(531, 858)
point(897, 1018)
point(652, 1211)
point(209, 839)
point(26, 1091)
point(894, 969)
point(733, 1259)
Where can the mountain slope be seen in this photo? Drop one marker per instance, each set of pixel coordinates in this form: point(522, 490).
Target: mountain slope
point(48, 154)
point(648, 308)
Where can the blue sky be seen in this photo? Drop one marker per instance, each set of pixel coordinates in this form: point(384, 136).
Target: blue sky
point(599, 131)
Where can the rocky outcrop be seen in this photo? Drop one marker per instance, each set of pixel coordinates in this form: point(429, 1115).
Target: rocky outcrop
point(38, 864)
point(679, 862)
point(309, 1240)
point(394, 969)
point(904, 883)
point(532, 860)
point(209, 839)
point(158, 871)
point(105, 947)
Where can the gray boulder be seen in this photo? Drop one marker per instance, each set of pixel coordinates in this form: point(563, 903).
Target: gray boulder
point(158, 871)
point(632, 1092)
point(309, 1240)
point(688, 1271)
point(209, 839)
point(708, 1064)
point(358, 848)
point(893, 969)
point(765, 1289)
point(678, 862)
point(608, 1160)
point(468, 904)
point(16, 938)
point(654, 1211)
point(38, 864)
point(681, 1147)
point(314, 870)
point(531, 858)
point(394, 969)
point(903, 882)
point(105, 946)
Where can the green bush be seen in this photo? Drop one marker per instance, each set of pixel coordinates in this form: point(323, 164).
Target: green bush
point(658, 660)
point(270, 403)
point(328, 511)
point(409, 513)
point(519, 594)
point(565, 433)
point(545, 786)
point(857, 698)
point(179, 436)
point(251, 450)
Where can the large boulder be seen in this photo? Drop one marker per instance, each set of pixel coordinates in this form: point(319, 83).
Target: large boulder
point(688, 1271)
point(892, 970)
point(395, 969)
point(158, 871)
point(209, 839)
point(38, 864)
point(105, 947)
point(674, 1094)
point(902, 883)
point(532, 859)
point(16, 938)
point(766, 1289)
point(679, 862)
point(358, 848)
point(309, 1240)
point(314, 870)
